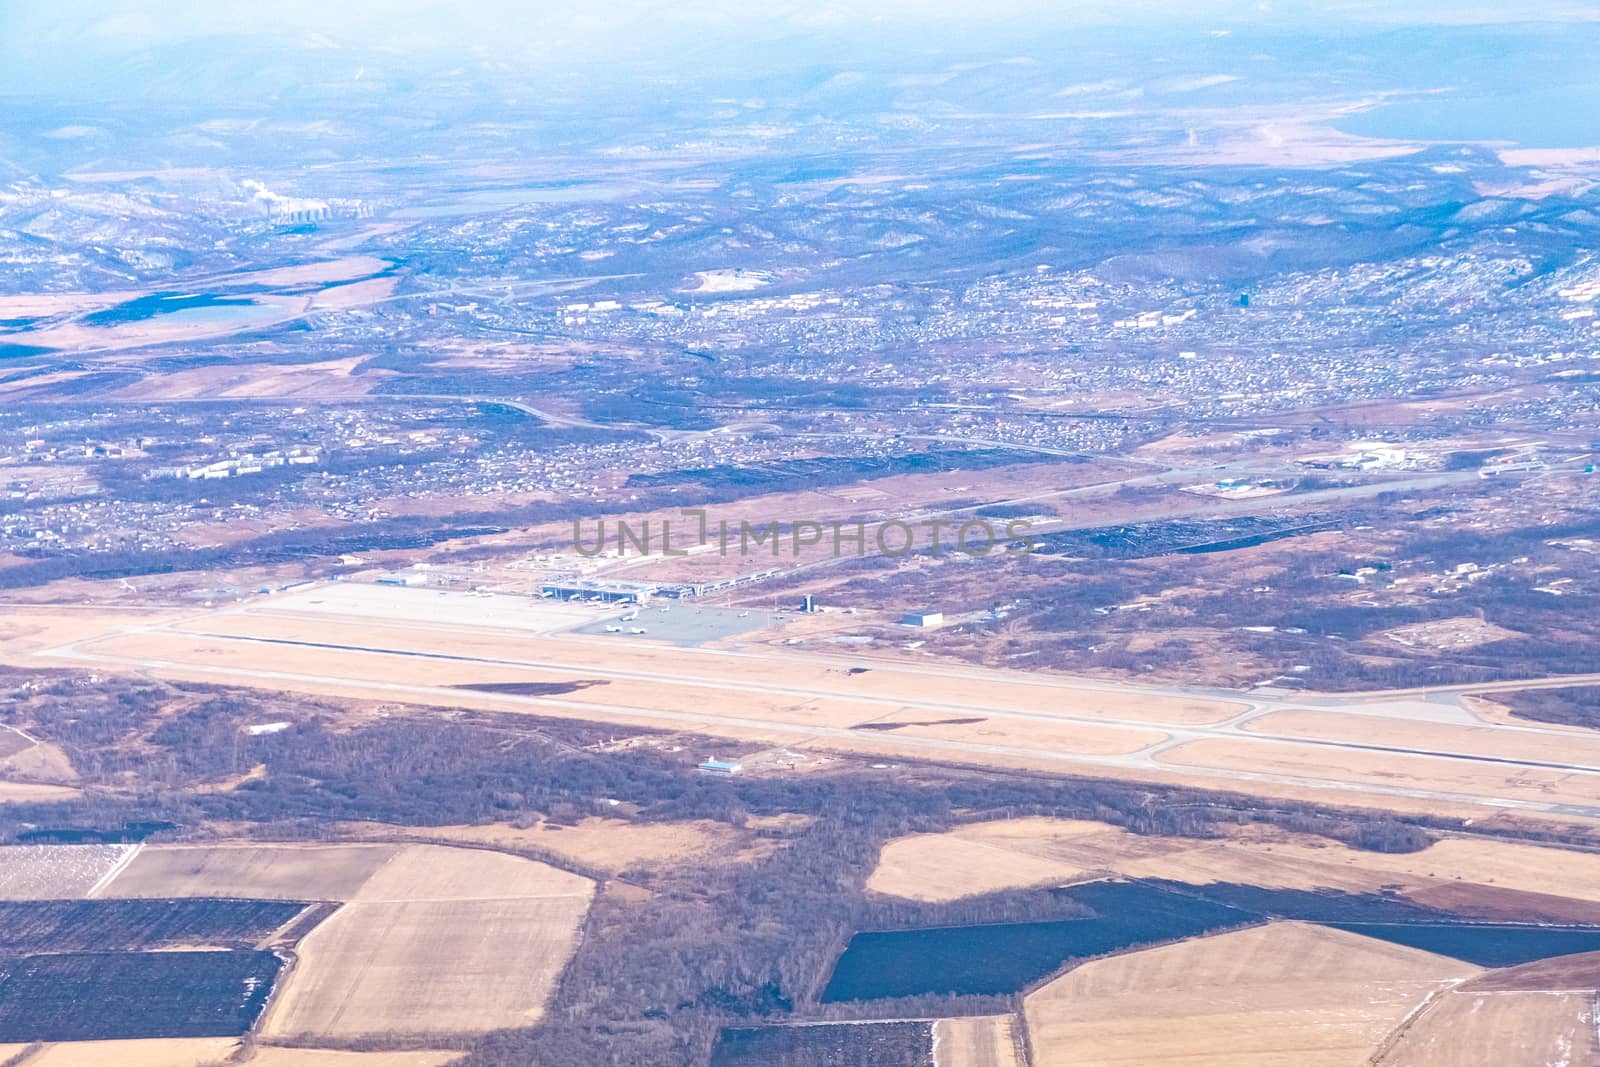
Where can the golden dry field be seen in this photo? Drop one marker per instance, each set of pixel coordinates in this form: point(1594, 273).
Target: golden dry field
point(984, 858)
point(430, 939)
point(1278, 995)
point(978, 1041)
point(437, 872)
point(1461, 1029)
point(427, 967)
point(40, 763)
point(267, 1056)
point(438, 941)
point(161, 1052)
point(213, 1052)
point(272, 872)
point(606, 844)
point(991, 856)
point(35, 792)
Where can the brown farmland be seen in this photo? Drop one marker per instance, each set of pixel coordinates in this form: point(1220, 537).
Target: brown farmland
point(1280, 995)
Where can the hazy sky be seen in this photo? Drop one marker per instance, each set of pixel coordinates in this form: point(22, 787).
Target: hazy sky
point(498, 24)
point(68, 48)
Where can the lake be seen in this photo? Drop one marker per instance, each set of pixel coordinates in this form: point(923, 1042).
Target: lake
point(183, 308)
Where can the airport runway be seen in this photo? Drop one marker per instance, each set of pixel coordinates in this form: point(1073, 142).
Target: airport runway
point(1421, 745)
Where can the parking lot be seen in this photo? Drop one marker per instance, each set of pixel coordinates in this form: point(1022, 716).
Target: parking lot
point(685, 624)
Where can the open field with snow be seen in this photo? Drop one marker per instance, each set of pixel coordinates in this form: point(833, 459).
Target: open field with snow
point(46, 872)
